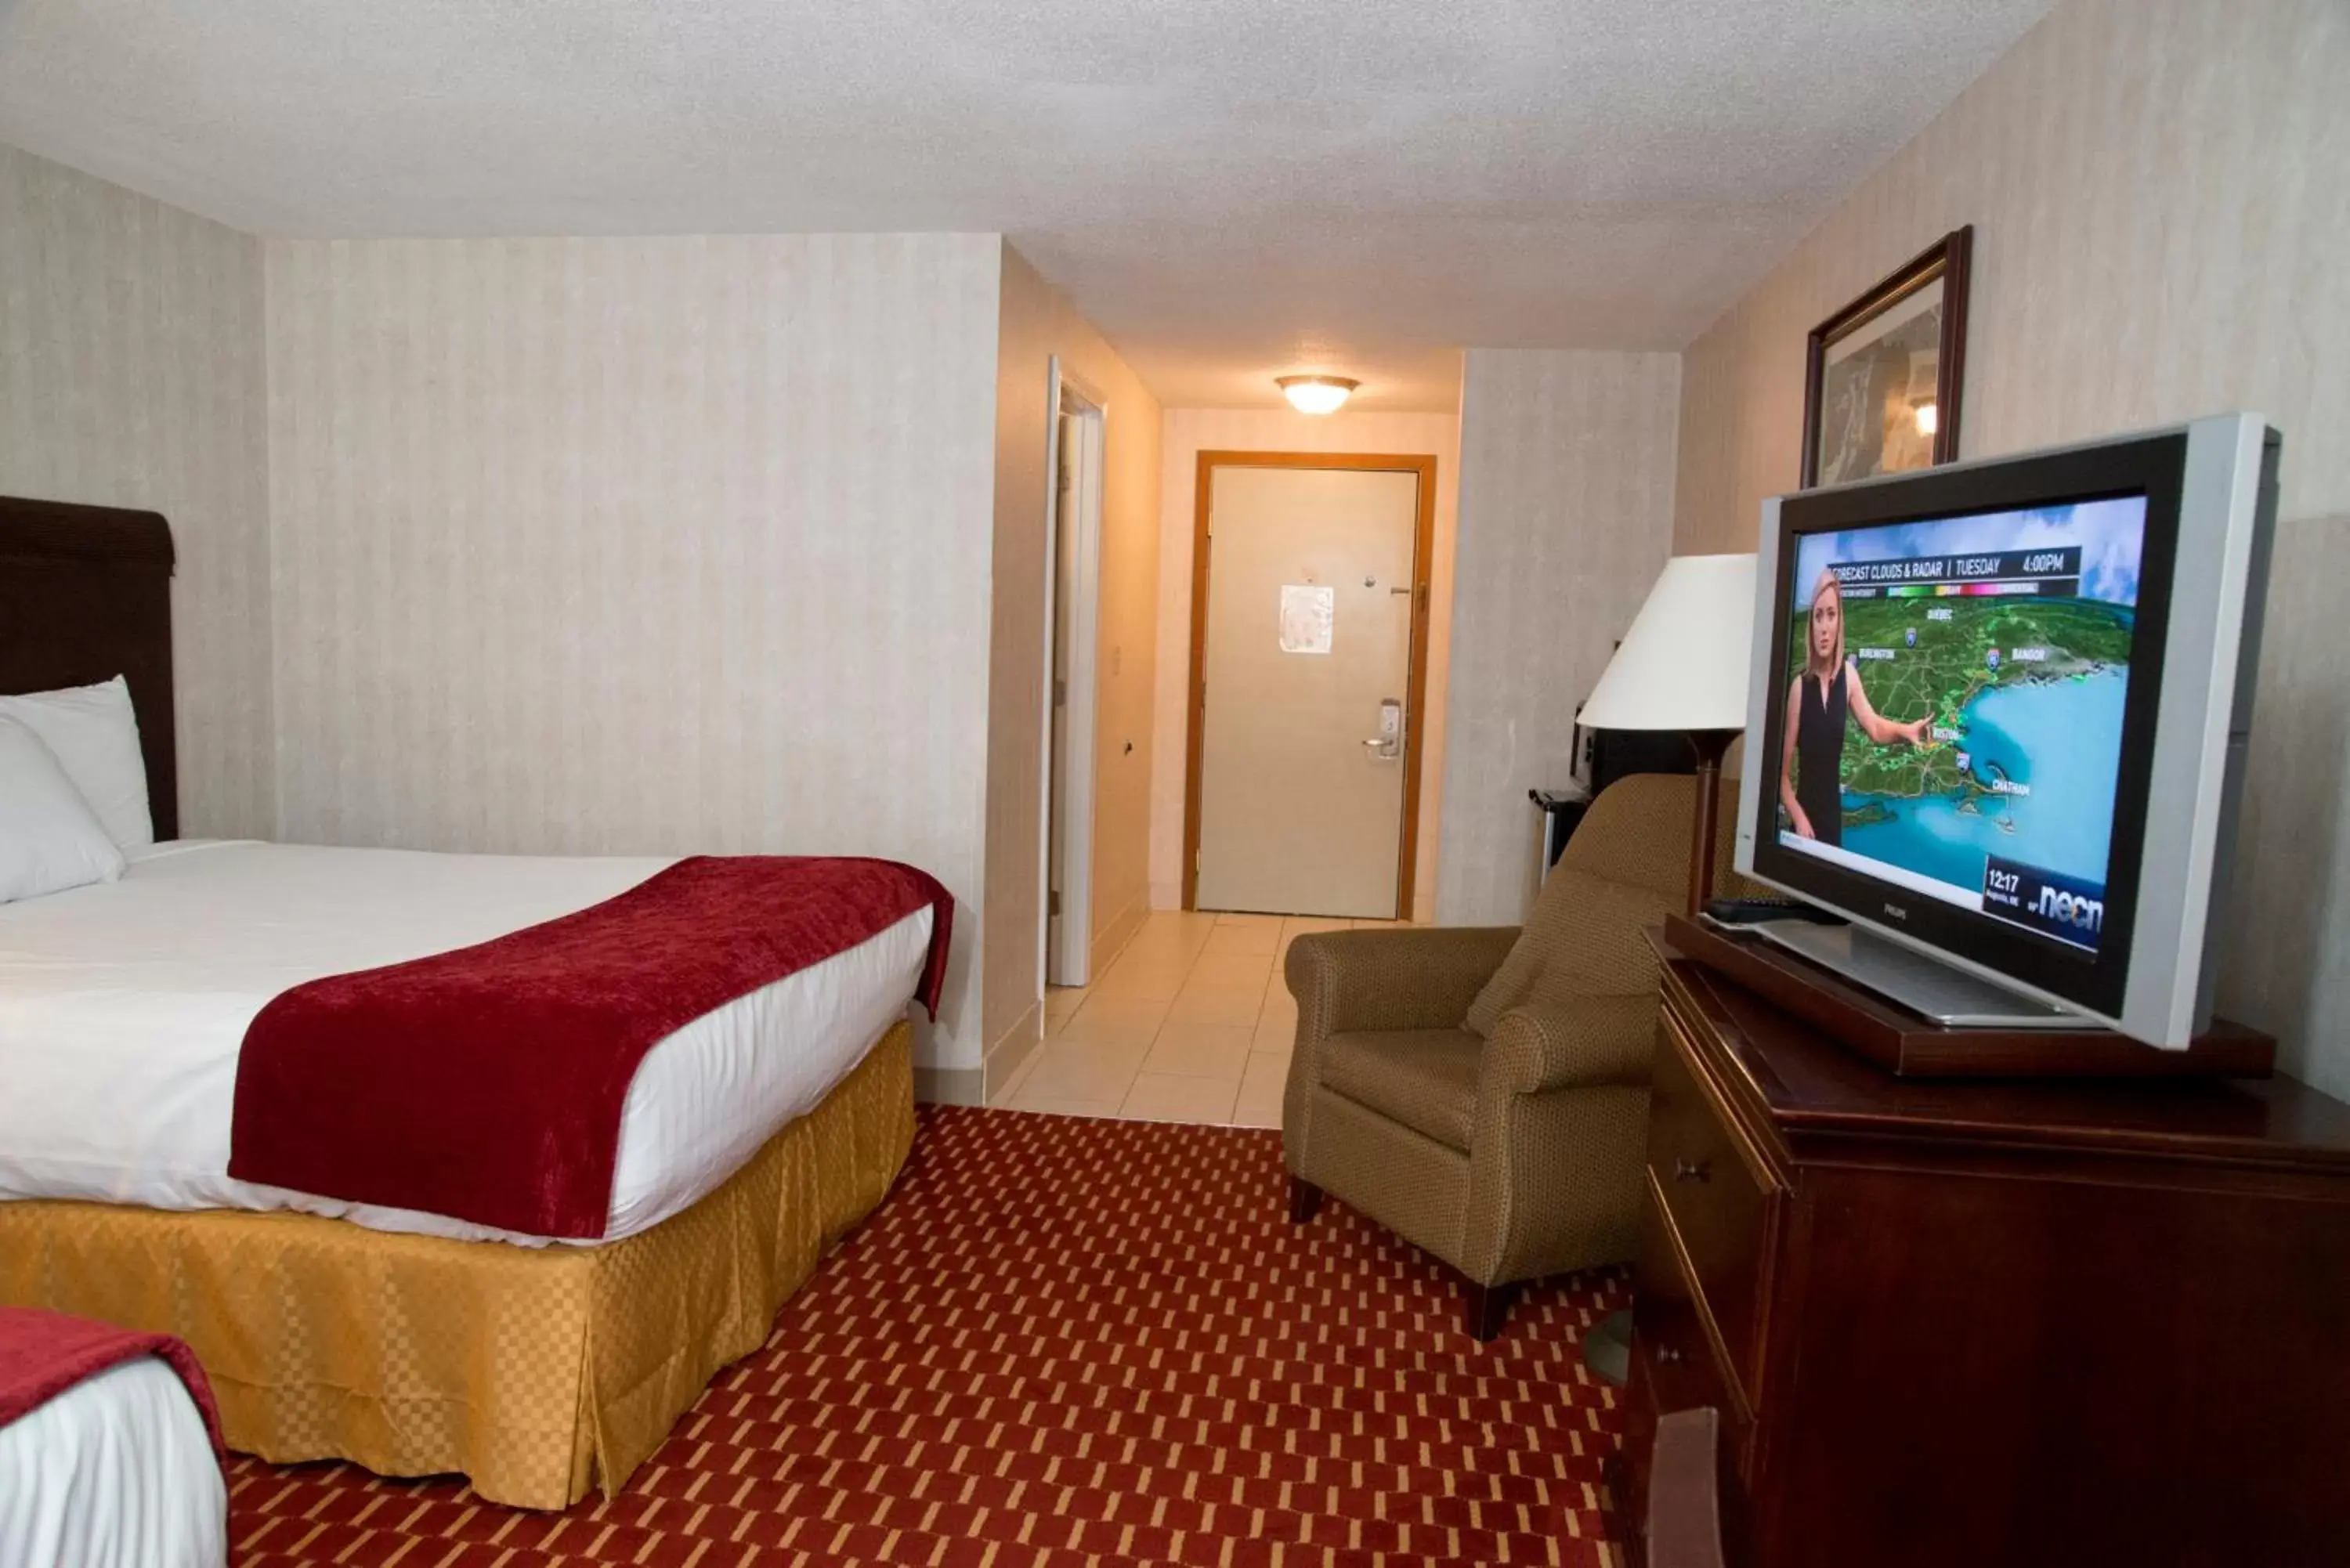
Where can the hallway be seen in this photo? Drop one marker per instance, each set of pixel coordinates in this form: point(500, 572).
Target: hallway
point(1191, 1023)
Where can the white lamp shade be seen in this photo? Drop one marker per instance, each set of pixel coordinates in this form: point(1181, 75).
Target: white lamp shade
point(1684, 665)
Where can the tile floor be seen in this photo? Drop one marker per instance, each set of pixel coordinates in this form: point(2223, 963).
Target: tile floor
point(1191, 1023)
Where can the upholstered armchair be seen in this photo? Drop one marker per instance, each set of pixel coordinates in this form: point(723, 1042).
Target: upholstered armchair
point(1483, 1092)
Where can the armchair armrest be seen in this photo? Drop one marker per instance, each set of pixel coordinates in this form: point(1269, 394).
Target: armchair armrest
point(1590, 1041)
point(1422, 978)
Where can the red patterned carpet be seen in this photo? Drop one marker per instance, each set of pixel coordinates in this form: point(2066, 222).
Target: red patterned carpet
point(1064, 1341)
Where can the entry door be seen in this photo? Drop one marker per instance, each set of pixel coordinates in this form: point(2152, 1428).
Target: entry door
point(1306, 663)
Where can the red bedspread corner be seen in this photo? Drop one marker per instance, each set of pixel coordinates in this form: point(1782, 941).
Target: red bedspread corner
point(486, 1083)
point(43, 1354)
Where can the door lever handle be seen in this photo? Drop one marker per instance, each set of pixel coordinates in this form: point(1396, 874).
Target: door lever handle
point(1384, 748)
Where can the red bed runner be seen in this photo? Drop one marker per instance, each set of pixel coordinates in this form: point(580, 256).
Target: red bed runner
point(486, 1083)
point(43, 1354)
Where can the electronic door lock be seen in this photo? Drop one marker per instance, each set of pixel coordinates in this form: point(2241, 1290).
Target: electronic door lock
point(1387, 744)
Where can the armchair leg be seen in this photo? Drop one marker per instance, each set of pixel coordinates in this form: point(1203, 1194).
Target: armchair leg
point(1485, 1308)
point(1304, 1200)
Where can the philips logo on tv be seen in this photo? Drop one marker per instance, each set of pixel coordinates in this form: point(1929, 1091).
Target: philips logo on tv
point(2055, 905)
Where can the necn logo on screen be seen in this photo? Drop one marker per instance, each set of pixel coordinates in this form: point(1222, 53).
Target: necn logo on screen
point(2055, 905)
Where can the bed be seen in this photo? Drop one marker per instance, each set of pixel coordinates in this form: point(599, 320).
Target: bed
point(535, 1365)
point(109, 1456)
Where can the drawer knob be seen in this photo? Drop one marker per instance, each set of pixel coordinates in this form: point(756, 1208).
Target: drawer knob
point(1692, 1170)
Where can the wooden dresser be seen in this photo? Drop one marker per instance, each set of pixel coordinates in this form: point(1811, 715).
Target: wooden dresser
point(1977, 1323)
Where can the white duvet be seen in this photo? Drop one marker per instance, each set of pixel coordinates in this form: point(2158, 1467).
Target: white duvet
point(117, 1471)
point(122, 1007)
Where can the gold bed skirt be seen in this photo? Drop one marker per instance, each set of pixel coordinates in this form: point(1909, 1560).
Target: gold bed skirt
point(534, 1371)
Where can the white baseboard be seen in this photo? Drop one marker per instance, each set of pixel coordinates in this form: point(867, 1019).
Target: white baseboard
point(1010, 1049)
point(1112, 939)
point(950, 1086)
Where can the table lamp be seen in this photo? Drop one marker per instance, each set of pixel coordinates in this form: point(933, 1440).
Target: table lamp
point(1683, 666)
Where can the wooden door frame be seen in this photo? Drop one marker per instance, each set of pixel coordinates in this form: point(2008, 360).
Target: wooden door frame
point(1415, 683)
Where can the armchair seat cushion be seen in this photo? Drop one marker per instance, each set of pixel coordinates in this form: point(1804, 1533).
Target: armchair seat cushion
point(1424, 1078)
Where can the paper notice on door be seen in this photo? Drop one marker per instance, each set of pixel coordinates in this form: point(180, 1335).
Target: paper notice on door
point(1305, 615)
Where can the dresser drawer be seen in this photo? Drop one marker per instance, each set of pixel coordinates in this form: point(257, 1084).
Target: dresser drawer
point(1721, 1202)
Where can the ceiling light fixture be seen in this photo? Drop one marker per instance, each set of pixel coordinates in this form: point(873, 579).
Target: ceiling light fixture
point(1316, 394)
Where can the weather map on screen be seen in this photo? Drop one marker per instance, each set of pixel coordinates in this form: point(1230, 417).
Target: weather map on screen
point(1954, 708)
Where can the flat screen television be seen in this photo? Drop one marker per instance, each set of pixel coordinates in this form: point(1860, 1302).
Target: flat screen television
point(1997, 718)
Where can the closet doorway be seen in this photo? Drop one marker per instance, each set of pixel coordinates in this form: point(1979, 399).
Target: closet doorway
point(1309, 652)
point(1073, 528)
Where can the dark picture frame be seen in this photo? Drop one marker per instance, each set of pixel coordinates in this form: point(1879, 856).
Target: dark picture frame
point(1862, 371)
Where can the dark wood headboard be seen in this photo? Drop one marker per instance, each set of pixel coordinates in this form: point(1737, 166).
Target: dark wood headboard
point(86, 595)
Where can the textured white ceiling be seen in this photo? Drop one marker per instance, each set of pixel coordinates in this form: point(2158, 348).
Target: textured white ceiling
point(1229, 188)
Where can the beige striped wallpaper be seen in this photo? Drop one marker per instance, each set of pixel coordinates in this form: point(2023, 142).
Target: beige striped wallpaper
point(1037, 323)
point(1190, 432)
point(2162, 218)
point(2160, 191)
point(131, 375)
point(1566, 506)
point(638, 546)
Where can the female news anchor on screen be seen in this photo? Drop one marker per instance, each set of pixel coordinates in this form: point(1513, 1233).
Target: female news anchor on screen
point(1811, 775)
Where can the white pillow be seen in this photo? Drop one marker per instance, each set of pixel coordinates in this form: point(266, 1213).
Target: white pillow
point(94, 734)
point(49, 840)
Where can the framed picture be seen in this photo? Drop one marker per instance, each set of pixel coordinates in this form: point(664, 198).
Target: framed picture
point(1882, 376)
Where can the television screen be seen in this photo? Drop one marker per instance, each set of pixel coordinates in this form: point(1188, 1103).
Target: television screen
point(1996, 718)
point(1955, 701)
